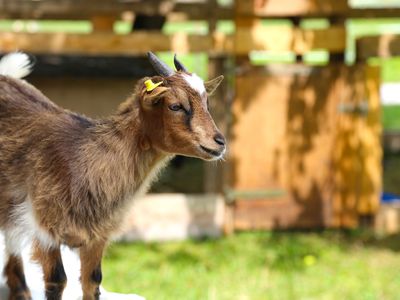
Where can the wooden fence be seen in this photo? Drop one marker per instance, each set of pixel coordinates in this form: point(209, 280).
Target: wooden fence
point(304, 141)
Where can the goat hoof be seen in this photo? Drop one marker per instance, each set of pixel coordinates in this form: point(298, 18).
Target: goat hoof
point(20, 296)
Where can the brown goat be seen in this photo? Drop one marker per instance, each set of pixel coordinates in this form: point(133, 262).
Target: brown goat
point(68, 179)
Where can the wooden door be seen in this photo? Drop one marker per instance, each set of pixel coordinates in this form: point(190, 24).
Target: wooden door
point(291, 163)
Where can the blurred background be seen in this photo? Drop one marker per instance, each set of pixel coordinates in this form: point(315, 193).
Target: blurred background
point(306, 204)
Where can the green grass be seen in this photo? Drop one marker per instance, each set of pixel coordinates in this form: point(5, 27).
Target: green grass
point(260, 266)
point(391, 117)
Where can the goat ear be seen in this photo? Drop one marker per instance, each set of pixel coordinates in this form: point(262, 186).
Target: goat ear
point(212, 84)
point(153, 97)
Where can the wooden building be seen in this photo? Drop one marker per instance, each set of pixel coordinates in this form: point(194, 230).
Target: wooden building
point(304, 140)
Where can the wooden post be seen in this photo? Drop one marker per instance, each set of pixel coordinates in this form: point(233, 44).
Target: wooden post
point(219, 107)
point(103, 23)
point(337, 57)
point(213, 173)
point(296, 24)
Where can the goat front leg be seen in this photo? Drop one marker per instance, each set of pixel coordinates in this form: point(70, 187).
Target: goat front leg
point(91, 275)
point(54, 275)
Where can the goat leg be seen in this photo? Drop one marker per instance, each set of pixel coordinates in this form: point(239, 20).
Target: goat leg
point(54, 275)
point(91, 275)
point(14, 272)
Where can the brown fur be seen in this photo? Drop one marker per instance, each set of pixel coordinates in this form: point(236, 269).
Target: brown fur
point(14, 271)
point(80, 175)
point(53, 271)
point(91, 270)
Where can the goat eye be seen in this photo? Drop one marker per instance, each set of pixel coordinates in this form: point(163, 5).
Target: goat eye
point(175, 107)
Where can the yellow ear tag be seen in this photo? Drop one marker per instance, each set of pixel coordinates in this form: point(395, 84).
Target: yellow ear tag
point(150, 85)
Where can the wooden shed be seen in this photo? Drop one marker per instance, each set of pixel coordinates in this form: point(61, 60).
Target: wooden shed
point(304, 140)
point(306, 150)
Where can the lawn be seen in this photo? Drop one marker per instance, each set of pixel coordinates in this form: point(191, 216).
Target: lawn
point(391, 117)
point(325, 265)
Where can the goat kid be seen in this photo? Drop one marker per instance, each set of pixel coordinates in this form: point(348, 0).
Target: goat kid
point(68, 180)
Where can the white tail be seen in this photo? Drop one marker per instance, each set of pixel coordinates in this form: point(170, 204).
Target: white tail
point(16, 65)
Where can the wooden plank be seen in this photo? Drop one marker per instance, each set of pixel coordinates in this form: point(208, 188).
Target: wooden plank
point(378, 46)
point(194, 10)
point(371, 154)
point(91, 66)
point(357, 153)
point(346, 160)
point(104, 23)
point(104, 43)
point(273, 214)
point(77, 9)
point(284, 38)
point(373, 13)
point(283, 128)
point(309, 8)
point(286, 8)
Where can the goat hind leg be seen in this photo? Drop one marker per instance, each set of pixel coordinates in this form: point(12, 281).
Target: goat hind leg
point(14, 268)
point(14, 272)
point(54, 275)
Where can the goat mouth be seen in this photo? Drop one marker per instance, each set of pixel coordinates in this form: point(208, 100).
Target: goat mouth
point(210, 151)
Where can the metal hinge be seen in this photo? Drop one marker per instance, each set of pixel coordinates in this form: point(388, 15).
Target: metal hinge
point(361, 108)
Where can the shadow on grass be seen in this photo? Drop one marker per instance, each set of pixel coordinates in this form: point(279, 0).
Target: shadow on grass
point(184, 257)
point(290, 252)
point(296, 250)
point(370, 240)
point(283, 251)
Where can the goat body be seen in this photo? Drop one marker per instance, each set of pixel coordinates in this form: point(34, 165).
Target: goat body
point(73, 174)
point(68, 179)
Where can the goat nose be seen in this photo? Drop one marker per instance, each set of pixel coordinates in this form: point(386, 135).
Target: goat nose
point(219, 139)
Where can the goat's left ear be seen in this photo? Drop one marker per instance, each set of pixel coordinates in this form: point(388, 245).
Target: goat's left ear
point(152, 97)
point(212, 84)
